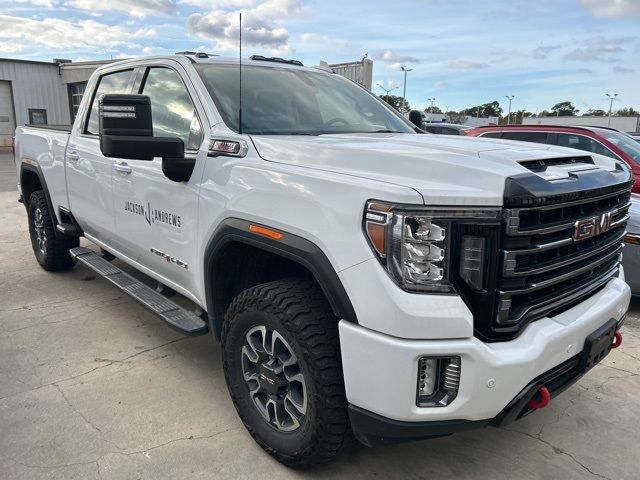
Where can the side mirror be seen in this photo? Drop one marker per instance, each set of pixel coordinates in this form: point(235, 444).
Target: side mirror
point(126, 130)
point(417, 118)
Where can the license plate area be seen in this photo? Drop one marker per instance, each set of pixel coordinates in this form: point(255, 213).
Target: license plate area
point(597, 345)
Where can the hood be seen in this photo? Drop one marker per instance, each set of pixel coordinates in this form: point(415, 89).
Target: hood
point(445, 170)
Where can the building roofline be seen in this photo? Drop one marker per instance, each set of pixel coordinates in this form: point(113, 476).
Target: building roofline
point(20, 60)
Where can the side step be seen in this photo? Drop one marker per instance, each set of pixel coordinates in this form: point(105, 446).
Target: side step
point(177, 317)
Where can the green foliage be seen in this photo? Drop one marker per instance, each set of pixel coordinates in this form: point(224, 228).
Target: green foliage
point(492, 109)
point(397, 102)
point(563, 109)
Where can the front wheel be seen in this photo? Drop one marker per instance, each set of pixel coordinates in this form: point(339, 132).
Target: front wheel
point(52, 252)
point(282, 365)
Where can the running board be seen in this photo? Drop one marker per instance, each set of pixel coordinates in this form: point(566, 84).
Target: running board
point(177, 317)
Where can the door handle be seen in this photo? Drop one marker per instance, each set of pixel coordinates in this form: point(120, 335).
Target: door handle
point(73, 156)
point(122, 167)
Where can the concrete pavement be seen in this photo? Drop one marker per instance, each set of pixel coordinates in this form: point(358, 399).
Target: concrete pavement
point(93, 386)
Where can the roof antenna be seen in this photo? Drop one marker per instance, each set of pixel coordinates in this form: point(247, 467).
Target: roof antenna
point(240, 75)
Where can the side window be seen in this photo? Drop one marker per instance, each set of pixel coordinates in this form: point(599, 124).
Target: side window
point(492, 135)
point(449, 131)
point(172, 110)
point(584, 143)
point(537, 137)
point(117, 82)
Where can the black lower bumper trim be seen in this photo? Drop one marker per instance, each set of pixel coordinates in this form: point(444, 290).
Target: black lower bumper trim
point(375, 430)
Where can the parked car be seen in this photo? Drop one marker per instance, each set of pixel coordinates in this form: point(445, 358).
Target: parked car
point(631, 252)
point(600, 140)
point(421, 120)
point(360, 275)
point(635, 136)
point(445, 128)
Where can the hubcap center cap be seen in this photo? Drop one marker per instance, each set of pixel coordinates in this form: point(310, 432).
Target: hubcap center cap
point(271, 378)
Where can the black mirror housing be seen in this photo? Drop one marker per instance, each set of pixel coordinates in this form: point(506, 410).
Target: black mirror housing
point(126, 130)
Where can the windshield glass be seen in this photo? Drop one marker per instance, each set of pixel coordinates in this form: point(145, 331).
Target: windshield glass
point(288, 101)
point(624, 143)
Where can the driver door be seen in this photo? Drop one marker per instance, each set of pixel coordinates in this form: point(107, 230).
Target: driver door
point(156, 218)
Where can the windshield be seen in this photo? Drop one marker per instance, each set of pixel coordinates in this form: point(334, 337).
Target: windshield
point(287, 101)
point(624, 143)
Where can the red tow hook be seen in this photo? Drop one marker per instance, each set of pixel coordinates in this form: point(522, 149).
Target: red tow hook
point(617, 340)
point(541, 399)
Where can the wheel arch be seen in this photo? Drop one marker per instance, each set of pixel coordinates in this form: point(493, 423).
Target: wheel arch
point(242, 259)
point(32, 179)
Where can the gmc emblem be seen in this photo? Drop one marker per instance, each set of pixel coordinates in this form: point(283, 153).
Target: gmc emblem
point(591, 227)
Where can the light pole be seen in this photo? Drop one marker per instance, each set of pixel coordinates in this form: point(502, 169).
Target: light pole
point(404, 92)
point(431, 109)
point(388, 90)
point(509, 97)
point(611, 98)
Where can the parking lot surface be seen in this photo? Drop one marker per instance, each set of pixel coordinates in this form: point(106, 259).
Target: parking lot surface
point(94, 386)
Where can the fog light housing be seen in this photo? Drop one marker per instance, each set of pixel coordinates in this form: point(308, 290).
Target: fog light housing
point(438, 381)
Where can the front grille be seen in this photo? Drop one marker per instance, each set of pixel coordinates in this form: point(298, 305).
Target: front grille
point(543, 269)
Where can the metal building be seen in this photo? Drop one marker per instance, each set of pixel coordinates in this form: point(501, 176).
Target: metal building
point(40, 92)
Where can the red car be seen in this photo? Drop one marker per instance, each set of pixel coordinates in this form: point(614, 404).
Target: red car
point(601, 140)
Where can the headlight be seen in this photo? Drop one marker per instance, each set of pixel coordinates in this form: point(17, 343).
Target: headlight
point(417, 245)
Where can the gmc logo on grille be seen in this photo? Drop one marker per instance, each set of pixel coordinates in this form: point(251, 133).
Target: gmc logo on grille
point(591, 227)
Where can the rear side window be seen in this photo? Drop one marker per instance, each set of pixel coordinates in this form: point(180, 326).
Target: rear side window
point(172, 110)
point(581, 142)
point(450, 131)
point(117, 82)
point(492, 135)
point(432, 129)
point(537, 137)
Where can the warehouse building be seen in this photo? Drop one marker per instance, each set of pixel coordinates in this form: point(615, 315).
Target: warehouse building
point(45, 93)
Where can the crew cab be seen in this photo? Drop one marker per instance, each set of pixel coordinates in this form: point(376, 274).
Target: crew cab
point(360, 274)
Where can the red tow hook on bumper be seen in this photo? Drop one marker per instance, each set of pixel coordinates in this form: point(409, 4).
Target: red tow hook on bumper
point(617, 340)
point(541, 399)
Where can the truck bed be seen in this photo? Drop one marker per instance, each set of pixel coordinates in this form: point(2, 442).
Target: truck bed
point(60, 128)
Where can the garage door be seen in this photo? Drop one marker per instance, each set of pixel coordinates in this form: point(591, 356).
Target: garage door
point(7, 118)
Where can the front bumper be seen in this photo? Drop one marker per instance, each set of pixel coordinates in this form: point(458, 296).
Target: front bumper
point(380, 371)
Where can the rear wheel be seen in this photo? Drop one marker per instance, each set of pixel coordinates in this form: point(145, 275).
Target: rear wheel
point(52, 252)
point(281, 360)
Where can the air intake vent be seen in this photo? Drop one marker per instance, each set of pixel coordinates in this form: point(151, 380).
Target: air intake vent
point(541, 165)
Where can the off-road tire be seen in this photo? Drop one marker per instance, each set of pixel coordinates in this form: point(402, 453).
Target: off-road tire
point(298, 310)
point(55, 256)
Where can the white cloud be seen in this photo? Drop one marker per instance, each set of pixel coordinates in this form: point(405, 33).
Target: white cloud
point(465, 65)
point(261, 25)
point(612, 8)
point(388, 84)
point(619, 69)
point(135, 8)
point(543, 52)
point(324, 41)
point(396, 59)
point(59, 34)
point(597, 49)
point(37, 3)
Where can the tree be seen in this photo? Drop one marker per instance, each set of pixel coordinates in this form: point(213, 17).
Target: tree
point(435, 109)
point(455, 117)
point(595, 113)
point(627, 112)
point(397, 103)
point(517, 116)
point(564, 109)
point(492, 109)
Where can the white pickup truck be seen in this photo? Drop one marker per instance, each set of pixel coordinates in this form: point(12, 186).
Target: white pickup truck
point(361, 275)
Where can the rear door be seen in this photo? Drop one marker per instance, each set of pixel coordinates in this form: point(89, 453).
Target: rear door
point(156, 218)
point(89, 173)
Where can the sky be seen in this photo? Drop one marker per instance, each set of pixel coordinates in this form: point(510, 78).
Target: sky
point(461, 52)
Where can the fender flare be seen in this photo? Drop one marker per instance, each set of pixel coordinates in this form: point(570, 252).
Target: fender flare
point(291, 247)
point(35, 168)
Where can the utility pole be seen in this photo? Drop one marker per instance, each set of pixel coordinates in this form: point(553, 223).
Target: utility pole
point(509, 97)
point(387, 90)
point(611, 98)
point(431, 109)
point(404, 93)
